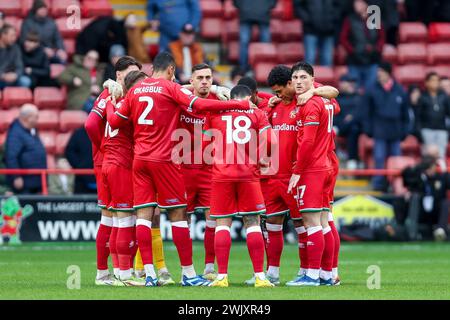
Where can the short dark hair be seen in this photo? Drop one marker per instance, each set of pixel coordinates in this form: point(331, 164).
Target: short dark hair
point(133, 77)
point(236, 71)
point(279, 75)
point(302, 65)
point(444, 78)
point(240, 91)
point(124, 62)
point(386, 66)
point(162, 61)
point(32, 36)
point(431, 74)
point(201, 66)
point(249, 82)
point(6, 27)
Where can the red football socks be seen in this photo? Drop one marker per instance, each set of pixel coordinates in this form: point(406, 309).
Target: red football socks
point(255, 245)
point(222, 247)
point(102, 242)
point(183, 242)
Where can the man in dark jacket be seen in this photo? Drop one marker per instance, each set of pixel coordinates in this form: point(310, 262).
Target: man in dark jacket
point(11, 66)
point(349, 121)
point(24, 150)
point(363, 45)
point(320, 21)
point(432, 110)
point(79, 154)
point(35, 61)
point(251, 13)
point(169, 17)
point(387, 119)
point(39, 21)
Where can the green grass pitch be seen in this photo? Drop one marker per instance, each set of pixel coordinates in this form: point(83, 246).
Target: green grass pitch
point(408, 271)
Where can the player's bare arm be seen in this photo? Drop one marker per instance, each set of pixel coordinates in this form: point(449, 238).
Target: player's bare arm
point(328, 92)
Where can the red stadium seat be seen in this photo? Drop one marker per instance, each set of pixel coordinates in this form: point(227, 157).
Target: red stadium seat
point(233, 51)
point(71, 120)
point(66, 30)
point(262, 71)
point(412, 32)
point(48, 139)
point(410, 74)
point(230, 31)
point(59, 7)
point(410, 146)
point(51, 161)
point(389, 53)
point(399, 163)
point(439, 32)
point(61, 142)
point(324, 75)
point(49, 98)
point(261, 52)
point(48, 120)
point(56, 69)
point(412, 53)
point(441, 70)
point(69, 45)
point(293, 30)
point(278, 11)
point(8, 116)
point(290, 53)
point(365, 149)
point(276, 30)
point(211, 9)
point(96, 8)
point(211, 28)
point(10, 8)
point(438, 53)
point(16, 22)
point(27, 4)
point(229, 10)
point(16, 96)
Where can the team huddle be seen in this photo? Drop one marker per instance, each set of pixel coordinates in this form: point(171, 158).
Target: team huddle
point(158, 146)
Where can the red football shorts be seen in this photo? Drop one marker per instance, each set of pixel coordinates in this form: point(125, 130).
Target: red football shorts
point(102, 193)
point(158, 178)
point(313, 192)
point(278, 200)
point(118, 184)
point(335, 163)
point(231, 198)
point(198, 187)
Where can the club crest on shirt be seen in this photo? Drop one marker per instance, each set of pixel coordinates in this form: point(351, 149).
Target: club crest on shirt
point(274, 115)
point(293, 114)
point(299, 123)
point(102, 104)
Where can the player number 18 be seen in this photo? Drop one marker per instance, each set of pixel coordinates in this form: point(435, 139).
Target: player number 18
point(234, 128)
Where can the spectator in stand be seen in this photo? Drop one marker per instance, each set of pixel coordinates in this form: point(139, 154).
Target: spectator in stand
point(390, 17)
point(236, 74)
point(24, 150)
point(84, 78)
point(444, 84)
point(115, 53)
point(39, 21)
point(135, 36)
point(61, 184)
point(11, 66)
point(169, 17)
point(186, 52)
point(100, 35)
point(2, 19)
point(387, 119)
point(320, 21)
point(433, 108)
point(79, 154)
point(35, 62)
point(363, 45)
point(251, 14)
point(348, 123)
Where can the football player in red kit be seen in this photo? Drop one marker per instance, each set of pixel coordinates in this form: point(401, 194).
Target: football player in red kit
point(312, 177)
point(153, 105)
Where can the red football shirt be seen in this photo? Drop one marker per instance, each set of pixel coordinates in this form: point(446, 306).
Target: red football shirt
point(284, 121)
point(235, 146)
point(314, 135)
point(96, 135)
point(118, 143)
point(193, 124)
point(154, 106)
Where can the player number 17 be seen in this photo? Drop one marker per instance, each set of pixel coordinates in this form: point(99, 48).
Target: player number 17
point(330, 110)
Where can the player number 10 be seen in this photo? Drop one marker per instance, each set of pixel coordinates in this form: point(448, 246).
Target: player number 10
point(233, 134)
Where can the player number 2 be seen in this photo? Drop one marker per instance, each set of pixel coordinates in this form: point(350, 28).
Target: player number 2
point(330, 110)
point(142, 119)
point(233, 133)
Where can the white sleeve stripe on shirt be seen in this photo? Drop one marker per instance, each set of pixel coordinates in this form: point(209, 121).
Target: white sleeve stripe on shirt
point(192, 102)
point(98, 113)
point(311, 124)
point(264, 129)
point(121, 115)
